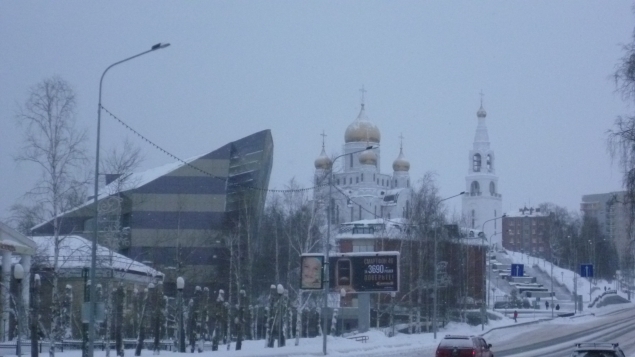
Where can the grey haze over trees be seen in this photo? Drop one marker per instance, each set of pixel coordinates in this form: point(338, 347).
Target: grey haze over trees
point(53, 143)
point(576, 240)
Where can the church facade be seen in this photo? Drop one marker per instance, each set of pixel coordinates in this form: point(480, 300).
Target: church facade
point(360, 191)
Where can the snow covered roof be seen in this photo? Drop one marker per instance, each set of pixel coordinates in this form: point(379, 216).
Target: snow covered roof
point(129, 182)
point(372, 228)
point(527, 212)
point(75, 253)
point(14, 241)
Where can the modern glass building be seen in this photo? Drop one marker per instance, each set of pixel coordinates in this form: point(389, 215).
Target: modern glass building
point(180, 218)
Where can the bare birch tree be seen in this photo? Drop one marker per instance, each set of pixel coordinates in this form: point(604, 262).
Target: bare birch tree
point(56, 146)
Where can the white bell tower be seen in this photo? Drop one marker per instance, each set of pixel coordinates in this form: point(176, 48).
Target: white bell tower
point(482, 202)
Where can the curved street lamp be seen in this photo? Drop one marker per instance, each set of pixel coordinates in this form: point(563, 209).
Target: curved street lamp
point(436, 272)
point(327, 246)
point(93, 257)
point(486, 295)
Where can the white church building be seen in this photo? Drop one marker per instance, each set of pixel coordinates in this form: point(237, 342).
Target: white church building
point(360, 190)
point(482, 203)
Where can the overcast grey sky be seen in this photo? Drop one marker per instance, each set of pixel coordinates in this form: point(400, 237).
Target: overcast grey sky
point(295, 67)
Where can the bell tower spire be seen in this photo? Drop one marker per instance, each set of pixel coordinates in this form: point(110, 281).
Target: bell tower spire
point(483, 201)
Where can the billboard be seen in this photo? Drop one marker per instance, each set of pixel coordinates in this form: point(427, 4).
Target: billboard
point(312, 272)
point(364, 272)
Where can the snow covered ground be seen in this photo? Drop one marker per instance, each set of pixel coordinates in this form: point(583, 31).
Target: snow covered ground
point(378, 343)
point(496, 332)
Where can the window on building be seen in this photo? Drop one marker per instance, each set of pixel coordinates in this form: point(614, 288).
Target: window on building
point(473, 218)
point(338, 181)
point(351, 160)
point(492, 188)
point(356, 179)
point(350, 180)
point(476, 163)
point(475, 188)
point(363, 247)
point(490, 165)
point(362, 177)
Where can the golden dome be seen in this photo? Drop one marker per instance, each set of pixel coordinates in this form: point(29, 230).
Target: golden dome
point(323, 162)
point(362, 130)
point(401, 163)
point(481, 113)
point(368, 157)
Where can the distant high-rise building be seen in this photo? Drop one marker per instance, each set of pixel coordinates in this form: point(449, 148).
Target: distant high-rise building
point(613, 216)
point(482, 201)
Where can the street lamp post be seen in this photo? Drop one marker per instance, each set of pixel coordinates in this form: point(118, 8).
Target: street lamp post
point(342, 296)
point(436, 272)
point(392, 312)
point(280, 291)
point(35, 306)
point(483, 307)
point(93, 257)
point(327, 246)
point(18, 274)
point(180, 284)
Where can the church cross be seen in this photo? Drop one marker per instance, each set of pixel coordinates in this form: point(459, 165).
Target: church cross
point(323, 135)
point(363, 91)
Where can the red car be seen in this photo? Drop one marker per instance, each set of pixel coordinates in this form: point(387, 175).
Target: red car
point(464, 346)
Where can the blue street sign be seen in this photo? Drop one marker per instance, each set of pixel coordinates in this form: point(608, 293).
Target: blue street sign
point(518, 269)
point(586, 270)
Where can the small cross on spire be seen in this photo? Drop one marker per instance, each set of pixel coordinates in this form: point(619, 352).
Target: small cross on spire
point(401, 141)
point(363, 91)
point(481, 94)
point(323, 135)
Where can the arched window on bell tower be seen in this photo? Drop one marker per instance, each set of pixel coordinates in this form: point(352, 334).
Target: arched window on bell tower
point(475, 189)
point(490, 163)
point(473, 218)
point(476, 163)
point(492, 188)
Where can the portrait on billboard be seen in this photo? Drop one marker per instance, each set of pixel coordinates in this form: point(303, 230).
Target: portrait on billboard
point(311, 271)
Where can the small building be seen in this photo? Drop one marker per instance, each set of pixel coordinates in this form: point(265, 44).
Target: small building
point(525, 231)
point(16, 248)
point(73, 264)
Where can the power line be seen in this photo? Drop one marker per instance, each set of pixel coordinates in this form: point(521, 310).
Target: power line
point(221, 178)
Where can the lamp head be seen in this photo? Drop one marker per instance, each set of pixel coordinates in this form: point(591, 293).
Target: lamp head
point(342, 292)
point(180, 283)
point(18, 272)
point(280, 289)
point(159, 46)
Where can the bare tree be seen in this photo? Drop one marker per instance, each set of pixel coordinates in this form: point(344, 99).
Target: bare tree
point(56, 146)
point(621, 143)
